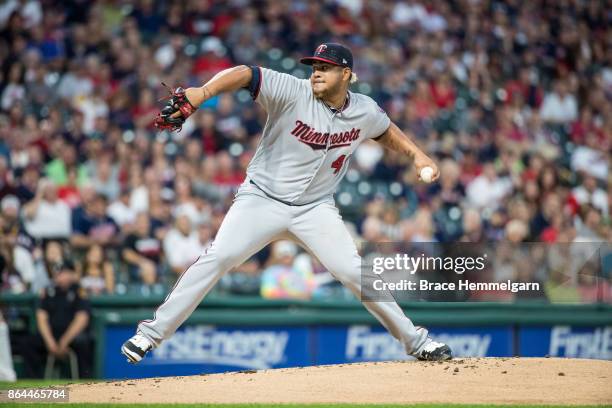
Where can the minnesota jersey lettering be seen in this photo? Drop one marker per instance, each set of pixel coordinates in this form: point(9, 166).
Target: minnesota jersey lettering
point(318, 140)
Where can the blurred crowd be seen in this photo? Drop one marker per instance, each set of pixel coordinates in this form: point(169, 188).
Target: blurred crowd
point(513, 98)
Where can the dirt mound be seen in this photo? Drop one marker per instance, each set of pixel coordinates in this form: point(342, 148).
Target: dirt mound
point(483, 380)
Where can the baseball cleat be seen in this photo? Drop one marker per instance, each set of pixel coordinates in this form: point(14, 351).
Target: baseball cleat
point(434, 351)
point(136, 348)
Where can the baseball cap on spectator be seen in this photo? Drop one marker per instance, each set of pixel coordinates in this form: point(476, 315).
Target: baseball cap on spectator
point(332, 53)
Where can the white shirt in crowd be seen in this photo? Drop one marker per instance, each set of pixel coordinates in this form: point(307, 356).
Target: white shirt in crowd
point(182, 250)
point(598, 199)
point(51, 220)
point(591, 161)
point(31, 12)
point(555, 109)
point(368, 155)
point(120, 213)
point(92, 108)
point(33, 272)
point(483, 192)
point(139, 199)
point(189, 209)
point(13, 93)
point(74, 86)
point(405, 14)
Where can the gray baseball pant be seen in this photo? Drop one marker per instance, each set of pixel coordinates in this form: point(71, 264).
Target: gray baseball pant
point(253, 221)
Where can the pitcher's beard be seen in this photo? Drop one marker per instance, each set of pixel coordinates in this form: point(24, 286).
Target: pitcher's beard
point(325, 94)
point(319, 94)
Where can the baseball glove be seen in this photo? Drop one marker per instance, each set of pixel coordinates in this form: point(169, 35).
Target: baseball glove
point(177, 102)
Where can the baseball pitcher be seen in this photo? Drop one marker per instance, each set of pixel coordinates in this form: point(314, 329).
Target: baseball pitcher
point(313, 128)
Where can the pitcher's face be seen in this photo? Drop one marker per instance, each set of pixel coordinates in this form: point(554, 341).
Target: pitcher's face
point(326, 79)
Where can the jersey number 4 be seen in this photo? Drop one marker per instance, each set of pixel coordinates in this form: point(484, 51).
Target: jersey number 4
point(337, 164)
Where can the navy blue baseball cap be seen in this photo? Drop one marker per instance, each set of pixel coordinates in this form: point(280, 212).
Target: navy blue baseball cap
point(332, 53)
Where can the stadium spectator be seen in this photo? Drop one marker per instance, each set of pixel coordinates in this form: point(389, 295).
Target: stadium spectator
point(203, 182)
point(472, 227)
point(516, 231)
point(490, 90)
point(187, 204)
point(62, 318)
point(97, 273)
point(142, 251)
point(206, 133)
point(182, 244)
point(46, 216)
point(18, 244)
point(10, 277)
point(488, 189)
point(281, 279)
point(69, 192)
point(91, 225)
point(559, 106)
point(52, 257)
point(104, 174)
point(589, 193)
point(25, 188)
point(57, 170)
point(589, 226)
point(592, 157)
point(120, 210)
point(14, 91)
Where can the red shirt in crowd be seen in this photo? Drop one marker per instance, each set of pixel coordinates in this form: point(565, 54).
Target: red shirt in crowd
point(443, 95)
point(70, 195)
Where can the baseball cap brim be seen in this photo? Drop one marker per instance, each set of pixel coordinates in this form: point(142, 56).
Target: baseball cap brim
point(312, 60)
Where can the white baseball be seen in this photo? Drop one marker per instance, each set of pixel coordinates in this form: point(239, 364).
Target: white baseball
point(427, 174)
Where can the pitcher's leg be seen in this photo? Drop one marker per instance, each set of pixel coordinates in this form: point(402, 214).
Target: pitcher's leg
point(250, 224)
point(323, 231)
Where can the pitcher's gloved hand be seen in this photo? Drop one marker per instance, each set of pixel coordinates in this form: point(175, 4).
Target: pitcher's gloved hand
point(168, 119)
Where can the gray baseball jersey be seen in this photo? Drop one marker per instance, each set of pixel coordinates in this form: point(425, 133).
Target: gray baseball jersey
point(302, 156)
point(306, 147)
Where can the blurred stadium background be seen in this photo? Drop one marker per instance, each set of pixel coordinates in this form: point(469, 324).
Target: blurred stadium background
point(514, 99)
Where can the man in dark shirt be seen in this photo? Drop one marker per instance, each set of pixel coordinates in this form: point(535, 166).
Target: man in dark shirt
point(62, 317)
point(28, 183)
point(91, 225)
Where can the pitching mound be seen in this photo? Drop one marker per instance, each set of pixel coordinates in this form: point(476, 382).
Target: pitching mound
point(484, 380)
